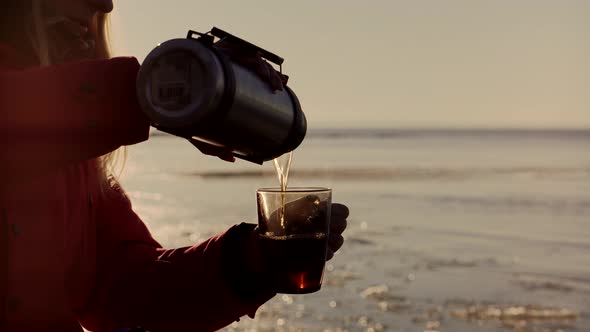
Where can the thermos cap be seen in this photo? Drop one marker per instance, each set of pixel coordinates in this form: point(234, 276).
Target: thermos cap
point(170, 94)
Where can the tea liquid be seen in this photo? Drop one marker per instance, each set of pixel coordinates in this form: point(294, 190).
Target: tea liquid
point(296, 262)
point(282, 166)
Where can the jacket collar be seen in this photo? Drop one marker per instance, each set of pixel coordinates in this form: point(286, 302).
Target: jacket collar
point(11, 58)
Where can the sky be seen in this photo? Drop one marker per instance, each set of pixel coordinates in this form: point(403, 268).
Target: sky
point(413, 63)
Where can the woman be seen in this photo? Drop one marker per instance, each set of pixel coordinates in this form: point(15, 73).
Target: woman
point(72, 251)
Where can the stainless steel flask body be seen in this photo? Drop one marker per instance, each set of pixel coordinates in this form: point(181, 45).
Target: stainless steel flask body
point(189, 89)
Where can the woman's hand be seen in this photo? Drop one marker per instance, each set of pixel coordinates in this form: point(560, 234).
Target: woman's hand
point(338, 224)
point(253, 255)
point(254, 258)
point(305, 215)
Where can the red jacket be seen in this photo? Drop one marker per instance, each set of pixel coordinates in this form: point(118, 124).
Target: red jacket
point(69, 256)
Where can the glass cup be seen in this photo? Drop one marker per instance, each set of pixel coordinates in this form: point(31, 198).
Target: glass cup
point(293, 227)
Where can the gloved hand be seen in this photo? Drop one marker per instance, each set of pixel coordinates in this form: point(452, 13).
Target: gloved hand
point(306, 215)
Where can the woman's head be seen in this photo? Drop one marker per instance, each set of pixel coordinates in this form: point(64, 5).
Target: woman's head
point(54, 31)
point(80, 10)
point(57, 31)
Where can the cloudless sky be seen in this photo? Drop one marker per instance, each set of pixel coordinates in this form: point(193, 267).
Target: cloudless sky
point(388, 63)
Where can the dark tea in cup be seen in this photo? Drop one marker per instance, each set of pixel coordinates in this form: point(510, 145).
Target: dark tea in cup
point(293, 228)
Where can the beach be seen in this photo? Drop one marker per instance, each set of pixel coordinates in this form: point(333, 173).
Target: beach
point(450, 230)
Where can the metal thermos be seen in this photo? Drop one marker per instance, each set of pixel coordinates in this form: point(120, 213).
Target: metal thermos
point(190, 89)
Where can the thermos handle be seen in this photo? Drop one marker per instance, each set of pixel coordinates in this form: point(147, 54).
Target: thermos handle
point(169, 92)
point(216, 32)
point(240, 156)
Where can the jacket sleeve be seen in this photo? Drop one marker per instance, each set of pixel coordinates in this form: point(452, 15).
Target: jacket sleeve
point(56, 115)
point(184, 289)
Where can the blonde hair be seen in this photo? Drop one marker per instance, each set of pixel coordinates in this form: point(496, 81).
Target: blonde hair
point(111, 165)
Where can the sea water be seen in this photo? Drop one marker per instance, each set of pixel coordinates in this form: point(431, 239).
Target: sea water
point(450, 230)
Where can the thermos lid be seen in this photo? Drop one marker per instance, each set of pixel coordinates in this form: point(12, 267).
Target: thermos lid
point(177, 78)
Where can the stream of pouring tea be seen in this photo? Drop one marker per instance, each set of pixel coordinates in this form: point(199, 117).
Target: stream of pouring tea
point(282, 166)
